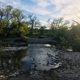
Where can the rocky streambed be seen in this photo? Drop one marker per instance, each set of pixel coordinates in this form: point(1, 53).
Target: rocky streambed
point(70, 69)
point(48, 63)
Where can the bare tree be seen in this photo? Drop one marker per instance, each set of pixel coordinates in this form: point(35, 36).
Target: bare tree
point(33, 21)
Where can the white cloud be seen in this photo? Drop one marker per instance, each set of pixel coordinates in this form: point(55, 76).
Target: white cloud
point(32, 9)
point(71, 10)
point(66, 8)
point(59, 3)
point(14, 3)
point(42, 3)
point(61, 8)
point(36, 10)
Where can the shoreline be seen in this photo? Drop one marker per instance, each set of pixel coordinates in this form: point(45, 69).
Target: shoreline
point(69, 70)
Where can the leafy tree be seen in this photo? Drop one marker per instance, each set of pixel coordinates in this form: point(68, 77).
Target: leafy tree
point(75, 30)
point(2, 13)
point(63, 42)
point(74, 37)
point(11, 22)
point(76, 44)
point(57, 25)
point(24, 29)
point(41, 31)
point(36, 31)
point(17, 14)
point(7, 19)
point(17, 21)
point(60, 32)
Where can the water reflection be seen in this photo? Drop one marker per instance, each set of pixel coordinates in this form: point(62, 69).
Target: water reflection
point(12, 60)
point(39, 57)
point(36, 56)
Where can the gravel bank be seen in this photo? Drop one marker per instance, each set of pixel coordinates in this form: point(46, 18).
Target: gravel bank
point(70, 69)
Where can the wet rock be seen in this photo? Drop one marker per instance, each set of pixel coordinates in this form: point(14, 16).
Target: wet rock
point(3, 77)
point(14, 74)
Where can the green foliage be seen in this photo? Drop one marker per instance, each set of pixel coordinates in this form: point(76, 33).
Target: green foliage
point(76, 44)
point(41, 31)
point(11, 22)
point(24, 29)
point(59, 28)
point(74, 37)
point(60, 32)
point(75, 30)
point(1, 31)
point(63, 42)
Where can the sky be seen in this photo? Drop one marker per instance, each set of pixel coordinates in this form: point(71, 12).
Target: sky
point(47, 9)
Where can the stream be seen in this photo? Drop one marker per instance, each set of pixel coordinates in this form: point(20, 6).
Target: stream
point(37, 57)
point(40, 57)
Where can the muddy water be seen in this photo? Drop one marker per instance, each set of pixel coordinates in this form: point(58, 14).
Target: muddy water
point(40, 57)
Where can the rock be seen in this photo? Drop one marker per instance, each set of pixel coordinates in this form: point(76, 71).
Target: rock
point(3, 77)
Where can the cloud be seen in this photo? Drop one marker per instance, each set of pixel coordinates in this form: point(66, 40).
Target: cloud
point(35, 10)
point(71, 10)
point(66, 8)
point(42, 3)
point(48, 8)
point(14, 3)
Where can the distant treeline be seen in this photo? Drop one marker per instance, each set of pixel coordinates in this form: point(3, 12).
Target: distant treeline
point(13, 24)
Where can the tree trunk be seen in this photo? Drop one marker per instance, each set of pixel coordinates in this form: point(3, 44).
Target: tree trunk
point(32, 28)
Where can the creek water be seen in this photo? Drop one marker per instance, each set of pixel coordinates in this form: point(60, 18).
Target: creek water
point(39, 56)
point(36, 56)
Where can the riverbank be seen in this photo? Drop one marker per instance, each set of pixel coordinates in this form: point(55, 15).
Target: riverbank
point(68, 71)
point(13, 42)
point(14, 48)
